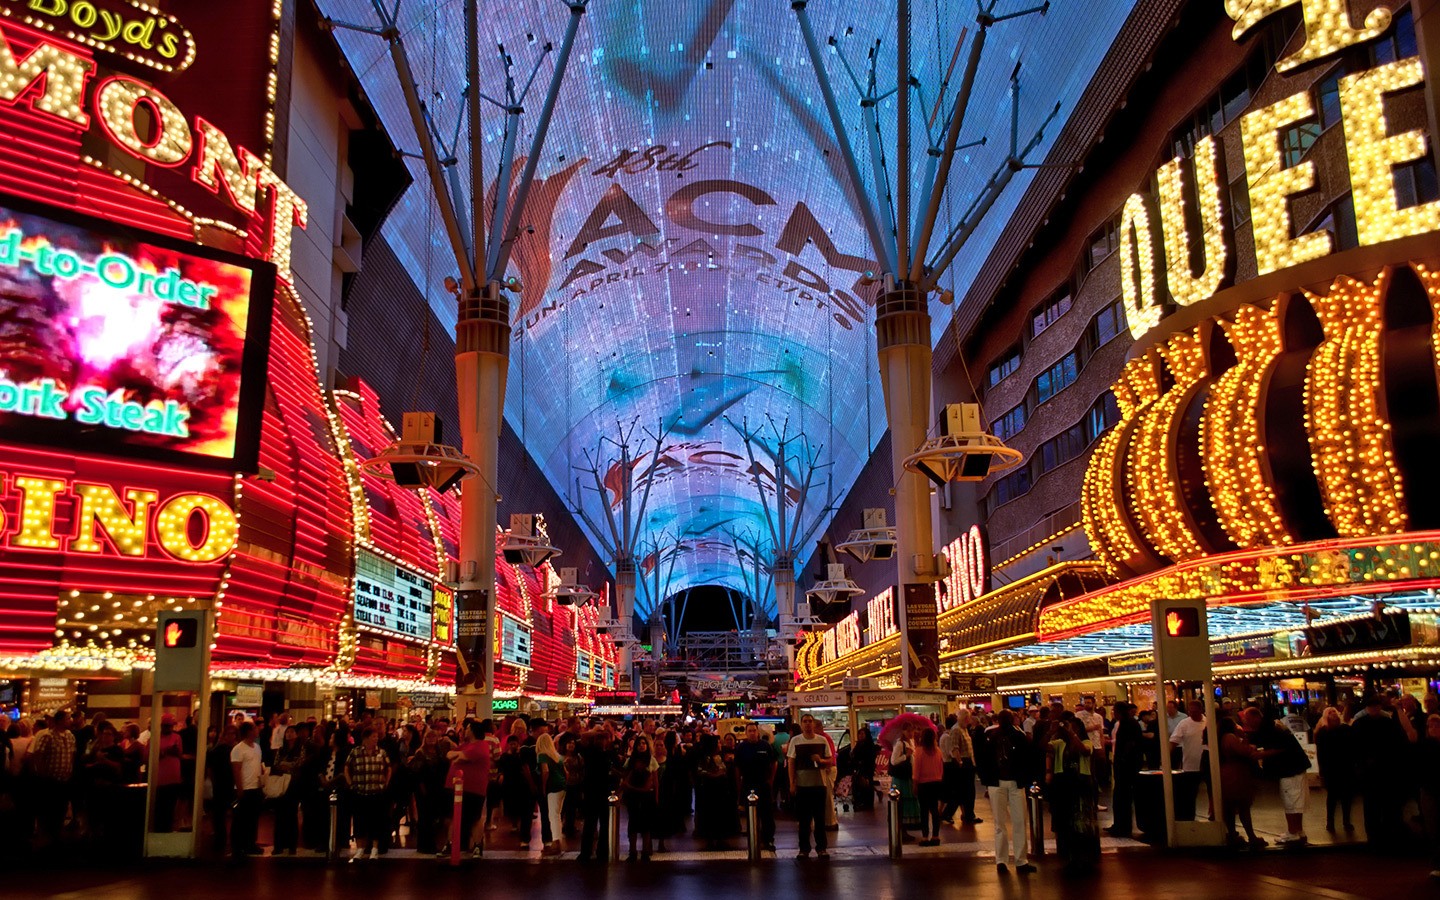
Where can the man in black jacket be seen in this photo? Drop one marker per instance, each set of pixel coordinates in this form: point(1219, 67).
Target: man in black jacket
point(1006, 769)
point(1128, 755)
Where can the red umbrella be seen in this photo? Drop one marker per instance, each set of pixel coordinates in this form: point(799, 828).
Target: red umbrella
point(891, 731)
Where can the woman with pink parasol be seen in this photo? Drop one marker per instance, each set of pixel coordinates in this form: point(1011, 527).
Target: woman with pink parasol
point(898, 736)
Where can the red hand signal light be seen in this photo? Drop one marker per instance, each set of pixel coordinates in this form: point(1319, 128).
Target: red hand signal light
point(1182, 622)
point(179, 633)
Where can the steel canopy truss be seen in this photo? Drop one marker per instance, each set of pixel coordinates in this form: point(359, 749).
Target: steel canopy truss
point(482, 333)
point(789, 531)
point(676, 113)
point(724, 651)
point(890, 235)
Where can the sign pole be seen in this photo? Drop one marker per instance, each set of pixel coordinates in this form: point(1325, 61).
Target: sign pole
point(1181, 634)
point(182, 665)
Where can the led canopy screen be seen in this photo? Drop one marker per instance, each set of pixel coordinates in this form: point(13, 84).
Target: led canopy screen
point(122, 343)
point(690, 258)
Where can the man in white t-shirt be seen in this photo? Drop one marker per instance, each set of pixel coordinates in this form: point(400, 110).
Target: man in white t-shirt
point(1189, 736)
point(245, 763)
point(808, 754)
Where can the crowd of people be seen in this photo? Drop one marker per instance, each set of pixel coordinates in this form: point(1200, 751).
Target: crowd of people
point(66, 780)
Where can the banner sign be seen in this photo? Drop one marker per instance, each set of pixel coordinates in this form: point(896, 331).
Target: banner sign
point(1391, 628)
point(514, 642)
point(921, 635)
point(471, 607)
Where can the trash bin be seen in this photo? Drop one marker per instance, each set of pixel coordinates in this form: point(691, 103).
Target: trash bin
point(1150, 801)
point(1150, 805)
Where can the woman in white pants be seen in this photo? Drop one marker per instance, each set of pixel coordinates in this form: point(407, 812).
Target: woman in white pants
point(552, 781)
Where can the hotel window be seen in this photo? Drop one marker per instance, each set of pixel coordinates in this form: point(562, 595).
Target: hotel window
point(1051, 310)
point(1106, 326)
point(1328, 97)
point(1102, 416)
point(1297, 140)
point(1239, 202)
point(1103, 243)
point(1016, 484)
point(1230, 102)
point(1009, 425)
point(1397, 43)
point(1415, 183)
point(1063, 447)
point(1005, 367)
point(1339, 220)
point(1058, 377)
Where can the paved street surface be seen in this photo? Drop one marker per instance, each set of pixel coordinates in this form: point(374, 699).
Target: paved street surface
point(1127, 874)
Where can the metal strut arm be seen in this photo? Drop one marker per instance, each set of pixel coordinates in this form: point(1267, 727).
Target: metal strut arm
point(867, 210)
point(433, 166)
point(542, 126)
point(992, 192)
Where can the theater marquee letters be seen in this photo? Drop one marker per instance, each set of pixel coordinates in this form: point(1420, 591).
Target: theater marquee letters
point(1156, 238)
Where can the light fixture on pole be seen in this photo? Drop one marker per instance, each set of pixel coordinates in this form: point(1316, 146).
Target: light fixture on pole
point(418, 459)
point(837, 587)
point(569, 592)
point(527, 543)
point(875, 541)
point(964, 451)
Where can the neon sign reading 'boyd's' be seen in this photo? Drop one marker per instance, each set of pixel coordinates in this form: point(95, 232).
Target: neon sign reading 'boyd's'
point(53, 80)
point(1156, 255)
point(128, 27)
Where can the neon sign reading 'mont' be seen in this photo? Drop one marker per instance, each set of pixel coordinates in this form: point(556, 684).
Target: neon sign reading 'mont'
point(53, 81)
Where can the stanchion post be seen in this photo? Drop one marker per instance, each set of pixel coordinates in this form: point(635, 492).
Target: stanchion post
point(332, 850)
point(612, 827)
point(752, 825)
point(457, 823)
point(897, 838)
point(1036, 799)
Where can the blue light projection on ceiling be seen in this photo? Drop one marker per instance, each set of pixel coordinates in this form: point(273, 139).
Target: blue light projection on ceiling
point(692, 257)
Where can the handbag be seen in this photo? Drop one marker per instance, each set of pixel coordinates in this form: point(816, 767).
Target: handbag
point(274, 785)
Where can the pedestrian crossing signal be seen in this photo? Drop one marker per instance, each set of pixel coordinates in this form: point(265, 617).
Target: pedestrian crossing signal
point(1182, 622)
point(181, 633)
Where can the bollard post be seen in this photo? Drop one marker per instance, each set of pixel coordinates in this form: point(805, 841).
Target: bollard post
point(332, 851)
point(612, 827)
point(1035, 799)
point(752, 825)
point(892, 812)
point(457, 823)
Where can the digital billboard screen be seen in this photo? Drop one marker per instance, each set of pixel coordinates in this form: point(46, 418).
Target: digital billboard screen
point(120, 342)
point(392, 598)
point(514, 642)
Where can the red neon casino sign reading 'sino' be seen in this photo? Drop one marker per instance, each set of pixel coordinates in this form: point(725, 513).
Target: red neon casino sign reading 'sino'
point(45, 513)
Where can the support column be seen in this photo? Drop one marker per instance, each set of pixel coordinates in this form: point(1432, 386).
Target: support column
point(625, 610)
point(902, 331)
point(482, 362)
point(784, 574)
